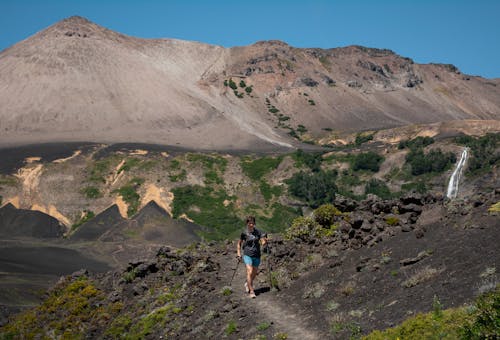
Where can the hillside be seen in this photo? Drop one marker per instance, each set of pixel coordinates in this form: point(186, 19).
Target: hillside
point(78, 81)
point(111, 207)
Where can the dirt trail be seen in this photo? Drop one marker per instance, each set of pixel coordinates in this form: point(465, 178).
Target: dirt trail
point(284, 317)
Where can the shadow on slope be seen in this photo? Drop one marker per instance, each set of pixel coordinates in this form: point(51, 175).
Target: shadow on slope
point(28, 223)
point(152, 224)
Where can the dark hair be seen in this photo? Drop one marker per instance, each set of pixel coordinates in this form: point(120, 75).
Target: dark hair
point(250, 219)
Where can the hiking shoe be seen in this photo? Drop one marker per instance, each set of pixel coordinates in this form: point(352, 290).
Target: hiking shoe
point(252, 295)
point(246, 288)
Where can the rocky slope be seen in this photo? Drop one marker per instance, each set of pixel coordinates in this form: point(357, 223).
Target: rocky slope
point(77, 81)
point(370, 273)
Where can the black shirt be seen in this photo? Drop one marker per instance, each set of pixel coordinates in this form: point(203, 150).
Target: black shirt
point(251, 242)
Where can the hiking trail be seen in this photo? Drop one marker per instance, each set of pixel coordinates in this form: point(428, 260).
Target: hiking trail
point(283, 317)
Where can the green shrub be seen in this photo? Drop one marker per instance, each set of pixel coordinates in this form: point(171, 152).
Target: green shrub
point(367, 161)
point(231, 328)
point(312, 160)
point(311, 102)
point(301, 129)
point(325, 215)
point(485, 323)
point(392, 220)
point(248, 89)
point(434, 161)
point(302, 228)
point(316, 188)
point(226, 83)
point(232, 84)
point(242, 84)
point(273, 110)
point(362, 138)
point(263, 326)
point(484, 152)
point(482, 321)
point(416, 143)
point(379, 188)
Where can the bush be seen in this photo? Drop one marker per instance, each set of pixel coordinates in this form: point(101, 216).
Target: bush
point(242, 84)
point(362, 138)
point(232, 84)
point(312, 160)
point(316, 188)
point(486, 321)
point(434, 161)
point(248, 89)
point(367, 161)
point(416, 143)
point(303, 228)
point(129, 194)
point(325, 215)
point(484, 152)
point(482, 321)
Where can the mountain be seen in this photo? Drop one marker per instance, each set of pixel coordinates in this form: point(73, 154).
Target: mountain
point(78, 81)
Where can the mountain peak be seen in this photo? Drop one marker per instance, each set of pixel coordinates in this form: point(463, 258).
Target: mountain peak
point(76, 26)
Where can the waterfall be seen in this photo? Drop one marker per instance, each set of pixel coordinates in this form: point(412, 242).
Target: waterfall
point(455, 176)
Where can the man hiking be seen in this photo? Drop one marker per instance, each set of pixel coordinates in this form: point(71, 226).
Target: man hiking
point(251, 240)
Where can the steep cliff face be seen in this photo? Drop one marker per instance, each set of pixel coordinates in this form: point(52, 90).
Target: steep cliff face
point(79, 81)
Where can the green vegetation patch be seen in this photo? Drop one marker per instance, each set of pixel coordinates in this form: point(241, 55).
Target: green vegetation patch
point(129, 194)
point(481, 321)
point(8, 180)
point(435, 161)
point(100, 169)
point(362, 138)
point(91, 192)
point(370, 161)
point(213, 165)
point(206, 207)
point(86, 216)
point(269, 191)
point(312, 160)
point(129, 164)
point(255, 169)
point(316, 188)
point(495, 208)
point(64, 314)
point(416, 143)
point(484, 152)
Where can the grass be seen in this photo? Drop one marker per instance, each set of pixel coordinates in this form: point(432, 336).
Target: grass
point(231, 327)
point(422, 275)
point(91, 192)
point(480, 321)
point(495, 208)
point(206, 207)
point(263, 326)
point(129, 194)
point(87, 215)
point(129, 164)
point(8, 180)
point(255, 169)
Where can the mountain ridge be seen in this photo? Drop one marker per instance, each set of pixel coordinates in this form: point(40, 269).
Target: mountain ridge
point(78, 81)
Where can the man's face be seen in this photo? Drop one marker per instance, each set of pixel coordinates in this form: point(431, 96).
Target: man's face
point(250, 225)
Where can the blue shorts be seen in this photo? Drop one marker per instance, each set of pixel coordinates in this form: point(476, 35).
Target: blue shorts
point(251, 261)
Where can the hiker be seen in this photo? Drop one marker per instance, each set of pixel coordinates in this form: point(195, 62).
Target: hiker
point(251, 240)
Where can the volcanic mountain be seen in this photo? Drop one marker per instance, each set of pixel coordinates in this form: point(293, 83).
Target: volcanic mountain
point(78, 81)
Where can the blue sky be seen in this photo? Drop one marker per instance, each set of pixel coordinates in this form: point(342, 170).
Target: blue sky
point(465, 33)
